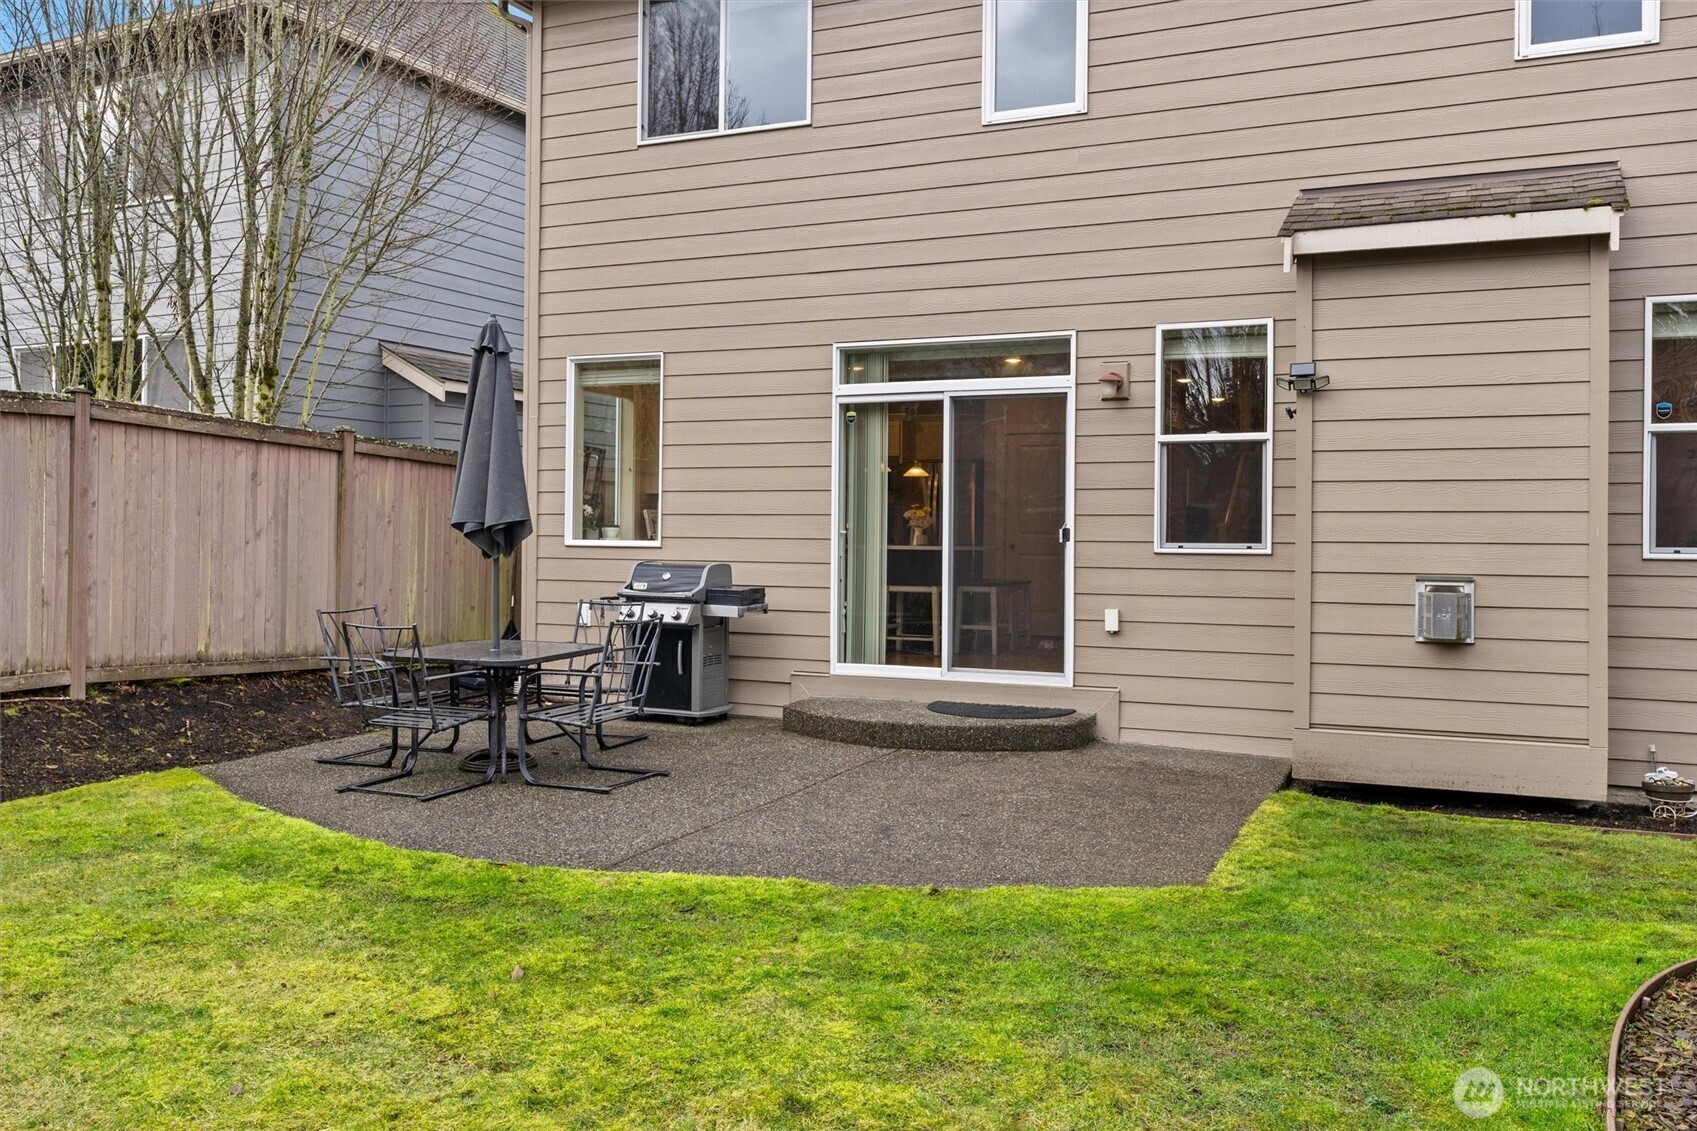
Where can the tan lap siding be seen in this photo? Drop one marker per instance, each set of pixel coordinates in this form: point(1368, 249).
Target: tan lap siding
point(1455, 439)
point(898, 215)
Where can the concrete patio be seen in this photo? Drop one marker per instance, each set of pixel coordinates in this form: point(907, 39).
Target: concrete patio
point(747, 799)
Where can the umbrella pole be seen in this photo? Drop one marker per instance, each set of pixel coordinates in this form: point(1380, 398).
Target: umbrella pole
point(495, 613)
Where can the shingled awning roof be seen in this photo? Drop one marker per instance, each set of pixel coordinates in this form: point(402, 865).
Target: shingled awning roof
point(1590, 197)
point(437, 372)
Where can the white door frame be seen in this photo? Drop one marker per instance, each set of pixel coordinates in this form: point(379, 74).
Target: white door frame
point(947, 392)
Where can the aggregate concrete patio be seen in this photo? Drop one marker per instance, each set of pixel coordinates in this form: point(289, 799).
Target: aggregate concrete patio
point(747, 799)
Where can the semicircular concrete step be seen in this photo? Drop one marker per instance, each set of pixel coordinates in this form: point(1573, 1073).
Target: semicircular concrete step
point(898, 724)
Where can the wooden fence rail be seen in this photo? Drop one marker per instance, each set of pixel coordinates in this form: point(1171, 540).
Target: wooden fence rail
point(138, 543)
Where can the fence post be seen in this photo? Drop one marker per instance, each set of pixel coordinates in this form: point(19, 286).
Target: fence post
point(344, 518)
point(76, 564)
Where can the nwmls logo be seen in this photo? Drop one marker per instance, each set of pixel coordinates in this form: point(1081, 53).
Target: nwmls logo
point(1478, 1093)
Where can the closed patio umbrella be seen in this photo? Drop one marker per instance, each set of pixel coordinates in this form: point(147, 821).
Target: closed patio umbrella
point(491, 507)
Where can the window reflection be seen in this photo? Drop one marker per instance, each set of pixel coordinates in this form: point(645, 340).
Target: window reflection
point(1215, 379)
point(1214, 494)
point(765, 63)
point(1040, 357)
point(697, 80)
point(1036, 53)
point(1674, 491)
point(1554, 21)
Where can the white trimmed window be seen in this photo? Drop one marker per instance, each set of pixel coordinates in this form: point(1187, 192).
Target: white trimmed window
point(613, 441)
point(55, 369)
point(724, 66)
point(1670, 427)
point(1565, 27)
point(1036, 55)
point(1214, 437)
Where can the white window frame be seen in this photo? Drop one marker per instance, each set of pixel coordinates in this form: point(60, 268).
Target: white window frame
point(574, 465)
point(642, 137)
point(1524, 48)
point(1651, 430)
point(1163, 440)
point(144, 387)
point(1081, 73)
point(845, 393)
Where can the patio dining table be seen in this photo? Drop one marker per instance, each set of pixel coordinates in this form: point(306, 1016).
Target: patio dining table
point(501, 668)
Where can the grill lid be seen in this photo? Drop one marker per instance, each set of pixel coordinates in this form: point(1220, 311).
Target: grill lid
point(675, 581)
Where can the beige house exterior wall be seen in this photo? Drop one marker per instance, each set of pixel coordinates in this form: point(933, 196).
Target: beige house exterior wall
point(897, 215)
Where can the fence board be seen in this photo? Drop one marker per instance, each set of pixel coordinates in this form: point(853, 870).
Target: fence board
point(211, 548)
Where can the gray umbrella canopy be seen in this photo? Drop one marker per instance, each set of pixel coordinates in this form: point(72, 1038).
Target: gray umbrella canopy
point(491, 507)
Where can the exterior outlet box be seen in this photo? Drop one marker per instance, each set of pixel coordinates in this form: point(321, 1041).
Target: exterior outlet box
point(1443, 610)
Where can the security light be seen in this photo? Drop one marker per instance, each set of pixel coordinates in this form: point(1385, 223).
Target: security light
point(1303, 378)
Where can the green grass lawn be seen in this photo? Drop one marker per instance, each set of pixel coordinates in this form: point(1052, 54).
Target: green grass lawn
point(171, 956)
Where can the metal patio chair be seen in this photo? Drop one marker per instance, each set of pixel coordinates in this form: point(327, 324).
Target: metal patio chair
point(336, 661)
point(582, 702)
point(386, 672)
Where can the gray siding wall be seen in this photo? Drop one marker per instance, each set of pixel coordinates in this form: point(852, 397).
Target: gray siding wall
point(475, 271)
point(896, 214)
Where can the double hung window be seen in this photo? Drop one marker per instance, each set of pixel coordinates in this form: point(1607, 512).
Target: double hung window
point(1670, 440)
point(719, 66)
point(1214, 439)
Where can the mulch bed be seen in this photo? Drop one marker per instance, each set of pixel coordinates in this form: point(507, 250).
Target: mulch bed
point(49, 743)
point(1658, 1062)
point(1633, 817)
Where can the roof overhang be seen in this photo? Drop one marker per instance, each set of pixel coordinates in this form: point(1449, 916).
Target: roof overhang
point(439, 388)
point(1461, 230)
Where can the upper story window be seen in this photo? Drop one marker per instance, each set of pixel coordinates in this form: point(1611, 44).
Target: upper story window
point(717, 66)
point(1035, 54)
point(1670, 441)
point(1214, 437)
point(1562, 27)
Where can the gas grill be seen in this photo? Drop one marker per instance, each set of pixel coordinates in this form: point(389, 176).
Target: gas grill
point(694, 604)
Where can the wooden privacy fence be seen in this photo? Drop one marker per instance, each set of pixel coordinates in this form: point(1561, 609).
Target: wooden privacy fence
point(138, 543)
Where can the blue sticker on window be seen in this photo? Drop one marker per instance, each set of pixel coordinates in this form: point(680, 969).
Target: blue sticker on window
point(1664, 409)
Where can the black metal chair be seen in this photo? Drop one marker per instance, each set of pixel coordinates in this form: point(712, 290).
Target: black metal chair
point(386, 672)
point(582, 701)
point(337, 661)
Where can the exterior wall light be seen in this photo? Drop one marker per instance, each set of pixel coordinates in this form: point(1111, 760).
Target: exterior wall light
point(1113, 380)
point(1302, 378)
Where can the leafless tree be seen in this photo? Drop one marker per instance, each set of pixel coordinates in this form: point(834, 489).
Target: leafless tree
point(238, 183)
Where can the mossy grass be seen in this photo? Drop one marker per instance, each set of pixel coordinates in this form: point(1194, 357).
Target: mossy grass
point(173, 957)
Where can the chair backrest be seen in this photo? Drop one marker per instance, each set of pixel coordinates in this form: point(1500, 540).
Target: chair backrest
point(386, 665)
point(627, 663)
point(330, 622)
point(593, 617)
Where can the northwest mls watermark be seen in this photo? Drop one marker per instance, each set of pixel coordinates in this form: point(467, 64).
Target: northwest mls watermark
point(1480, 1093)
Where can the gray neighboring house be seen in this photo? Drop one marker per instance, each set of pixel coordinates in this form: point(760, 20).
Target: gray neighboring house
point(400, 370)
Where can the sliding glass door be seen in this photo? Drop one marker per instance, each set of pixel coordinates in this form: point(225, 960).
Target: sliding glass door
point(1008, 584)
point(953, 504)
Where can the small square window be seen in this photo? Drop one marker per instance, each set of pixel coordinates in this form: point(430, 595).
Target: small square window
point(1670, 428)
point(1035, 58)
point(1565, 27)
point(615, 449)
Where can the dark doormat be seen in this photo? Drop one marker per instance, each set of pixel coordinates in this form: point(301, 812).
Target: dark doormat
point(998, 711)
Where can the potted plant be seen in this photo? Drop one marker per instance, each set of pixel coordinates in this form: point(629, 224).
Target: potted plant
point(591, 521)
point(919, 519)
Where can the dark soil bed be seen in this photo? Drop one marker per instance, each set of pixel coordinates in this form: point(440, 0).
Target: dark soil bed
point(1658, 1062)
point(49, 743)
point(1636, 817)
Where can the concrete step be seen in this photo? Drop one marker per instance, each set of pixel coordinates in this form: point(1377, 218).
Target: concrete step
point(896, 724)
